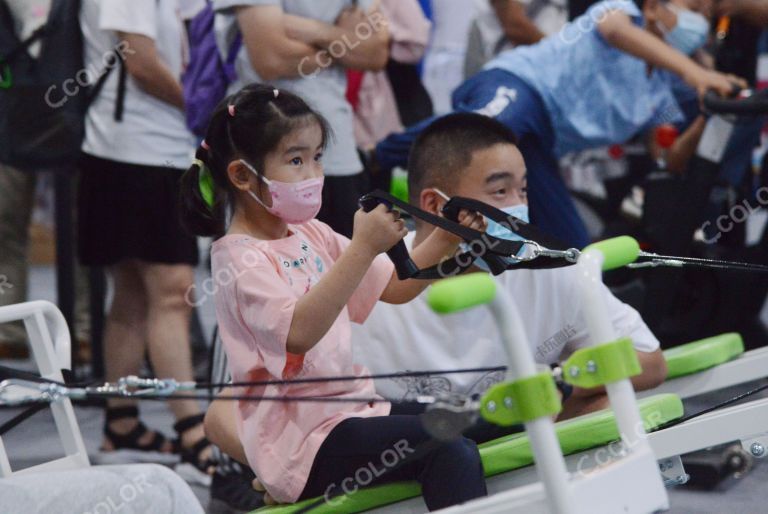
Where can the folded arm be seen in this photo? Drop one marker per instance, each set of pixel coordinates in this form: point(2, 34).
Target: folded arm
point(358, 40)
point(144, 64)
point(273, 53)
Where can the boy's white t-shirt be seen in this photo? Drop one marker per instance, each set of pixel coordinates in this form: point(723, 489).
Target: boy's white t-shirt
point(412, 337)
point(152, 132)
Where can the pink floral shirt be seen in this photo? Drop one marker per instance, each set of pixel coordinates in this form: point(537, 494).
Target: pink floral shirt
point(257, 286)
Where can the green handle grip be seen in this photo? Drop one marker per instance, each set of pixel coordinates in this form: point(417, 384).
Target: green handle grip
point(461, 293)
point(618, 251)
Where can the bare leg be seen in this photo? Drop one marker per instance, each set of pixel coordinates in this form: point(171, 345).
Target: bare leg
point(168, 318)
point(16, 200)
point(221, 428)
point(125, 340)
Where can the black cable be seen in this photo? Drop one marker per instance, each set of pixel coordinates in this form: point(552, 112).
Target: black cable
point(708, 263)
point(720, 405)
point(17, 420)
point(349, 378)
point(211, 398)
point(147, 395)
point(11, 373)
point(6, 373)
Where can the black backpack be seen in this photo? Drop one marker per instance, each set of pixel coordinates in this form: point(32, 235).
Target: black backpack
point(42, 105)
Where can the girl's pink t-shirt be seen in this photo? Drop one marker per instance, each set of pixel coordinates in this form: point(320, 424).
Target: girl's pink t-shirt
point(257, 286)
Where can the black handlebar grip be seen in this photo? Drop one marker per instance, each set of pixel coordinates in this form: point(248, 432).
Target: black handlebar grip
point(451, 211)
point(398, 254)
point(750, 106)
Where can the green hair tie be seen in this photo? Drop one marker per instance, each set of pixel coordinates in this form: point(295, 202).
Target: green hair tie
point(6, 79)
point(205, 183)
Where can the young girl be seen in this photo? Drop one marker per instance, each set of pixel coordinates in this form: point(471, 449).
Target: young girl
point(288, 288)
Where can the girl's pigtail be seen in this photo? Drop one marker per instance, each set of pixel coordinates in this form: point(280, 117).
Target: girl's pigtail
point(201, 212)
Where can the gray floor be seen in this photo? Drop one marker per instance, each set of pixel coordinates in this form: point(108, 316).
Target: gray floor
point(35, 441)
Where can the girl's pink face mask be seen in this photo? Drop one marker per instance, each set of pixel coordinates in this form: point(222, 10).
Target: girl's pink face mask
point(293, 202)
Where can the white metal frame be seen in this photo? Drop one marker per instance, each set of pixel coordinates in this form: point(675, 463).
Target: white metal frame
point(521, 491)
point(746, 423)
point(51, 346)
point(629, 483)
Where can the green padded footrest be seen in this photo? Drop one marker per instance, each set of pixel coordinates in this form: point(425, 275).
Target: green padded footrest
point(578, 434)
point(700, 355)
point(507, 454)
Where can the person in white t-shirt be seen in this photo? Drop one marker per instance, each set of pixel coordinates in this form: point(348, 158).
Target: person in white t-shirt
point(130, 169)
point(444, 60)
point(504, 24)
point(474, 156)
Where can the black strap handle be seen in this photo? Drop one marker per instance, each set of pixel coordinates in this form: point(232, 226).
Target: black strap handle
point(525, 230)
point(481, 244)
point(495, 252)
point(457, 203)
point(398, 254)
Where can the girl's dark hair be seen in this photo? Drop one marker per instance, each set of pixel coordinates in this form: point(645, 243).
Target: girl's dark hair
point(246, 125)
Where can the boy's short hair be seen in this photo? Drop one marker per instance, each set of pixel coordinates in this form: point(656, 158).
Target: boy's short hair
point(446, 147)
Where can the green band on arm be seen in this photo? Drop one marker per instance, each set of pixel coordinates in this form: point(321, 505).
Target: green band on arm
point(618, 251)
point(603, 364)
point(461, 293)
point(521, 401)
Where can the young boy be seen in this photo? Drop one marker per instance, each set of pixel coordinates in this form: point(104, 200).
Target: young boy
point(476, 157)
point(601, 80)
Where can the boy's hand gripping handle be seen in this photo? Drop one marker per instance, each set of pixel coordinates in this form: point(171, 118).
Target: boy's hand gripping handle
point(398, 254)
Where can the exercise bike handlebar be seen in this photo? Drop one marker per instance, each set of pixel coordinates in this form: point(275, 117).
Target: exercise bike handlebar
point(754, 104)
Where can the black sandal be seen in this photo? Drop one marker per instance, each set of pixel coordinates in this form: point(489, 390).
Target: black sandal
point(192, 468)
point(126, 447)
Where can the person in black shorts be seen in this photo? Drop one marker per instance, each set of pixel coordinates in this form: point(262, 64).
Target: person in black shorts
point(129, 223)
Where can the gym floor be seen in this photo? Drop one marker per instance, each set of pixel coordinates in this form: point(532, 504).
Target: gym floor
point(742, 496)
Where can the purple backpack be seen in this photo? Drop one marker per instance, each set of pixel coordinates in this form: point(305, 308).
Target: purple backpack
point(207, 76)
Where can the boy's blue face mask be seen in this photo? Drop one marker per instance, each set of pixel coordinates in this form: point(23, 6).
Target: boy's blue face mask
point(504, 230)
point(690, 32)
point(499, 230)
